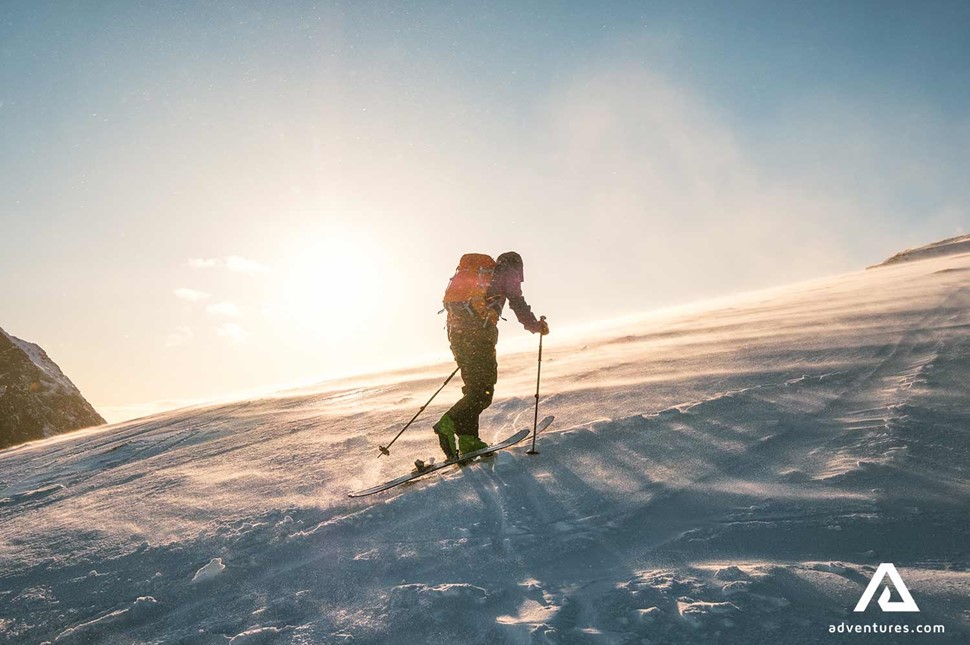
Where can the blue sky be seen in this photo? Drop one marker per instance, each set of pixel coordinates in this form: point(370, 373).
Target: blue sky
point(637, 154)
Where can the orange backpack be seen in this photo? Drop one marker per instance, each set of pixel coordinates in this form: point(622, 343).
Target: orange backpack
point(467, 288)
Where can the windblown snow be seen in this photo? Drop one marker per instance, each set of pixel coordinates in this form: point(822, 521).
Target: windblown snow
point(731, 472)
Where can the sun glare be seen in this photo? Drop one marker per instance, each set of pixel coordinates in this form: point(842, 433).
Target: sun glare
point(330, 285)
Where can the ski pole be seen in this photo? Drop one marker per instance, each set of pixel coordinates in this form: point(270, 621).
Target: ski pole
point(386, 450)
point(535, 421)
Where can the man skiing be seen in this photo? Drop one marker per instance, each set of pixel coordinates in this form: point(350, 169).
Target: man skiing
point(474, 300)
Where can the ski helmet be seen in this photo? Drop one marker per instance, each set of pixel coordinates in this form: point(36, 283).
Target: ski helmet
point(511, 260)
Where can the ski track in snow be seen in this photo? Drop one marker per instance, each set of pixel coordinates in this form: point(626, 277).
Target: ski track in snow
point(729, 474)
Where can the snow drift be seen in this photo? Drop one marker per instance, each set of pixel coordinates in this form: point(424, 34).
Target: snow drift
point(731, 472)
point(950, 246)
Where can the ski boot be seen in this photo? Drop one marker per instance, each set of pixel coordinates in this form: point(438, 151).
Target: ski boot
point(445, 429)
point(470, 443)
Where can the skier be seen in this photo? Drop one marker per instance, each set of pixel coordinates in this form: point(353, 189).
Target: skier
point(474, 300)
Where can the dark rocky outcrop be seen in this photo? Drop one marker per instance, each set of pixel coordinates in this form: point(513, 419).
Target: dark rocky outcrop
point(36, 399)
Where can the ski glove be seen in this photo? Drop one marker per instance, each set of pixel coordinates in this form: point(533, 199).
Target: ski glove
point(538, 326)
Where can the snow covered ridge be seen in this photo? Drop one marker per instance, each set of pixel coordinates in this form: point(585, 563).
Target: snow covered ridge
point(729, 474)
point(43, 362)
point(36, 399)
point(952, 246)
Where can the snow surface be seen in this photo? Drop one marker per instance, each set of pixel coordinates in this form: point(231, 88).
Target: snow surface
point(209, 571)
point(731, 472)
point(951, 246)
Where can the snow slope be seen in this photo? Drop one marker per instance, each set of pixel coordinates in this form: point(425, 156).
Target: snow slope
point(732, 472)
point(951, 246)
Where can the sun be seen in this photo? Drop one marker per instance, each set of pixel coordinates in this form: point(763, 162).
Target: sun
point(330, 284)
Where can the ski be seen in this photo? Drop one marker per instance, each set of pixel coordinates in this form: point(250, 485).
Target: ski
point(511, 441)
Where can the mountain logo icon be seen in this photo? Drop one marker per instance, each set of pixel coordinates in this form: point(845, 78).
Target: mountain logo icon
point(887, 569)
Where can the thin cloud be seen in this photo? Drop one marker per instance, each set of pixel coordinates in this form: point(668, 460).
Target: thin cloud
point(223, 309)
point(232, 332)
point(243, 265)
point(204, 263)
point(234, 263)
point(192, 295)
point(180, 336)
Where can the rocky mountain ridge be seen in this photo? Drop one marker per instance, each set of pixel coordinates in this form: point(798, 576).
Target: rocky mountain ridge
point(37, 399)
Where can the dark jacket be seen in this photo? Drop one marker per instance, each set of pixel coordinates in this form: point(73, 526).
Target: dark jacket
point(506, 285)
